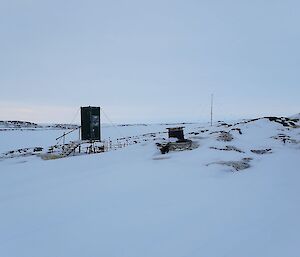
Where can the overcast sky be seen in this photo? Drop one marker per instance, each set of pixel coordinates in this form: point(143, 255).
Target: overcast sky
point(153, 60)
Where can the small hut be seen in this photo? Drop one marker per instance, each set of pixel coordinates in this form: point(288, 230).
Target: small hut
point(176, 132)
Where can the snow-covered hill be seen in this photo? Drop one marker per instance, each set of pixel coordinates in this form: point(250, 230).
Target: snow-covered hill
point(26, 125)
point(237, 194)
point(296, 116)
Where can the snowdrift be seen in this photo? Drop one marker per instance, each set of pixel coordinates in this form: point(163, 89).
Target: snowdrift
point(236, 194)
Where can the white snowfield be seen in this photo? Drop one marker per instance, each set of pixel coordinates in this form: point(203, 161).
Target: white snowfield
point(136, 202)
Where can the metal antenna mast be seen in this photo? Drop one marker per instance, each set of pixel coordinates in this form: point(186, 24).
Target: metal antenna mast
point(211, 109)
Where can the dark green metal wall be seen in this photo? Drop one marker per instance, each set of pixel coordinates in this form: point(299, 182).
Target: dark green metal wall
point(90, 123)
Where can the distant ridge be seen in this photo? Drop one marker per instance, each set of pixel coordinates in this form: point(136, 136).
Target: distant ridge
point(295, 116)
point(16, 124)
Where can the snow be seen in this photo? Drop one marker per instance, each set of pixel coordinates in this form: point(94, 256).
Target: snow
point(296, 116)
point(136, 202)
point(43, 137)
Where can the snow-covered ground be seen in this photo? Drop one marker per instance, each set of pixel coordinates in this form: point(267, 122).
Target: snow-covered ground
point(136, 202)
point(14, 138)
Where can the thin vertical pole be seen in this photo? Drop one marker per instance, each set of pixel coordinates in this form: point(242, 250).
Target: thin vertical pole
point(100, 123)
point(211, 109)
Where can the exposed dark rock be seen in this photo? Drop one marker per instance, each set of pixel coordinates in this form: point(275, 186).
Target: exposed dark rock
point(225, 136)
point(237, 129)
point(286, 122)
point(38, 149)
point(236, 165)
point(228, 148)
point(262, 151)
point(194, 133)
point(165, 148)
point(285, 139)
point(222, 124)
